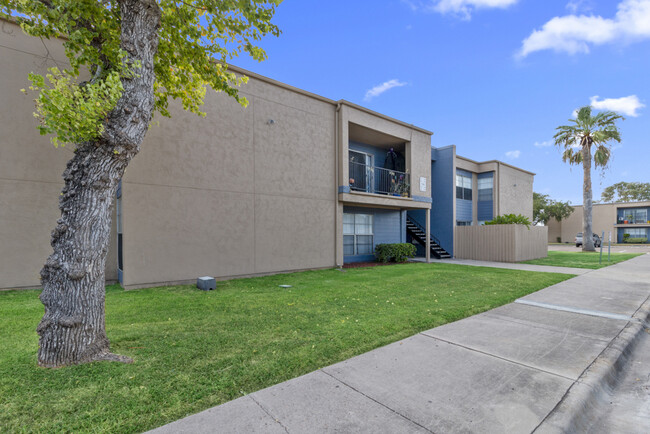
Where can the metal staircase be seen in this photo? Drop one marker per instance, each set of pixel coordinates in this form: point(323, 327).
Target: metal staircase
point(419, 234)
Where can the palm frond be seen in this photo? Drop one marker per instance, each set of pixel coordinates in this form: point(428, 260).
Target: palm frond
point(601, 156)
point(572, 156)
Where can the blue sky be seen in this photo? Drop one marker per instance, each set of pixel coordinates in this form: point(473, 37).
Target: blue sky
point(494, 77)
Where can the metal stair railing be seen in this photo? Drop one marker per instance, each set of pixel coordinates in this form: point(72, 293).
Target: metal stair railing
point(431, 236)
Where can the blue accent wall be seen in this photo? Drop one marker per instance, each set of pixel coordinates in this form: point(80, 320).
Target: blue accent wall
point(443, 181)
point(443, 192)
point(389, 226)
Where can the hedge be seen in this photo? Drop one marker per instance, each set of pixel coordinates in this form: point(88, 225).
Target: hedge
point(635, 240)
point(396, 252)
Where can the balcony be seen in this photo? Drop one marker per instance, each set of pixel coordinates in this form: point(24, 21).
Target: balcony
point(378, 180)
point(632, 216)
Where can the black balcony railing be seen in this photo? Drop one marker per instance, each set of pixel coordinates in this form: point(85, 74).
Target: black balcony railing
point(371, 179)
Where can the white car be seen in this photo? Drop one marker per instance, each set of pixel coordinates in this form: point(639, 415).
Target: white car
point(578, 240)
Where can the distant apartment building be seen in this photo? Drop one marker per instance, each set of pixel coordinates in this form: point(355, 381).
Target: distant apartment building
point(625, 220)
point(294, 181)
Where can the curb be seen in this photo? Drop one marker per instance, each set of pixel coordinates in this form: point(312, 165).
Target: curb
point(577, 410)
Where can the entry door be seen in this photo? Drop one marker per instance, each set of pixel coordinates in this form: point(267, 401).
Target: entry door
point(360, 164)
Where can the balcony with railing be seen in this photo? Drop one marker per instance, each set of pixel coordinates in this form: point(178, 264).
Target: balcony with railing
point(378, 180)
point(632, 216)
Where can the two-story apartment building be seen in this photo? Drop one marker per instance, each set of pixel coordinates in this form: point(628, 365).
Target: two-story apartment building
point(294, 181)
point(625, 220)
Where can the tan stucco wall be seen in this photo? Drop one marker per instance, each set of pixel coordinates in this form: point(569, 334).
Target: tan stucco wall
point(242, 191)
point(515, 192)
point(30, 167)
point(603, 219)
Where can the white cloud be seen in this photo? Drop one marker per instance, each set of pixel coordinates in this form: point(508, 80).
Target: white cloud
point(576, 5)
point(461, 8)
point(576, 33)
point(464, 8)
point(379, 89)
point(627, 105)
point(544, 144)
point(513, 155)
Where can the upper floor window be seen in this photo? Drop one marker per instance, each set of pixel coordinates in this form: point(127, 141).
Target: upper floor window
point(485, 188)
point(633, 215)
point(463, 186)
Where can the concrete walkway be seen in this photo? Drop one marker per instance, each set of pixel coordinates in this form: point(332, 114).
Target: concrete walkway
point(519, 368)
point(510, 266)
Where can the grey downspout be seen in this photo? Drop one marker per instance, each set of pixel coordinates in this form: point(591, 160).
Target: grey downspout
point(336, 183)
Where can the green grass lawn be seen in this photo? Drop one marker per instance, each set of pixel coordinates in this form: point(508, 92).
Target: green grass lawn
point(194, 350)
point(581, 259)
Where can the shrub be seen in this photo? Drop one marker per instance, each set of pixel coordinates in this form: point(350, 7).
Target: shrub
point(397, 252)
point(559, 239)
point(510, 219)
point(626, 237)
point(634, 240)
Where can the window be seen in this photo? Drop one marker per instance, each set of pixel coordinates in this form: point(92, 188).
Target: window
point(357, 234)
point(636, 232)
point(463, 223)
point(633, 215)
point(485, 188)
point(463, 186)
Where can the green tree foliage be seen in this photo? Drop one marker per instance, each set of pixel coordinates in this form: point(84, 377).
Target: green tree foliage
point(196, 40)
point(510, 219)
point(577, 140)
point(127, 59)
point(626, 192)
point(544, 209)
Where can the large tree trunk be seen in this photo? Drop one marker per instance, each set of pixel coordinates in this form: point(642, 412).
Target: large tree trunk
point(587, 230)
point(73, 328)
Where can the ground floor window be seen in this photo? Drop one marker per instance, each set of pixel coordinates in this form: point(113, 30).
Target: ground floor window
point(463, 223)
point(357, 234)
point(636, 232)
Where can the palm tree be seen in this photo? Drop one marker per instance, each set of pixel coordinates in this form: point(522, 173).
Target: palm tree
point(577, 141)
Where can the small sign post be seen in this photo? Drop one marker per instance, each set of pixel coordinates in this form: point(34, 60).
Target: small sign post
point(609, 247)
point(600, 260)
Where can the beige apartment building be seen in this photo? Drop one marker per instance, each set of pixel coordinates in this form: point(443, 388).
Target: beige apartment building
point(244, 191)
point(294, 181)
point(624, 220)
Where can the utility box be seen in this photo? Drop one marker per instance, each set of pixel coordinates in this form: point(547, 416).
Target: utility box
point(206, 283)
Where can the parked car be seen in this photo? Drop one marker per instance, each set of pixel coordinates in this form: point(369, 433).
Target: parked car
point(596, 238)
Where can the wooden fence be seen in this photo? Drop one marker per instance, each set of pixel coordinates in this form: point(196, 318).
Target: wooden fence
point(502, 243)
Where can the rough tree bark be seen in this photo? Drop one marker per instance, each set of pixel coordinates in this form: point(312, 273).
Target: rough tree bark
point(72, 330)
point(587, 230)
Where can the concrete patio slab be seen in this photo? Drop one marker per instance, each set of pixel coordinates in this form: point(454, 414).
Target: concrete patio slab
point(447, 388)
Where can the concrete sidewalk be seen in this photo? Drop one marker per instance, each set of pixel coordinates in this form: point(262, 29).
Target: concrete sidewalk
point(510, 266)
point(518, 368)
